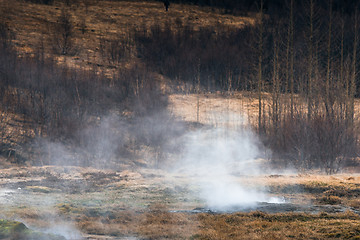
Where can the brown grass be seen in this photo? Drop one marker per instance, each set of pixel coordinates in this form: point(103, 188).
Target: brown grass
point(141, 203)
point(254, 225)
point(215, 109)
point(355, 203)
point(103, 19)
point(161, 224)
point(258, 225)
point(223, 109)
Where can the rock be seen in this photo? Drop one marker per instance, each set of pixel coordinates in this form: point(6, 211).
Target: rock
point(17, 230)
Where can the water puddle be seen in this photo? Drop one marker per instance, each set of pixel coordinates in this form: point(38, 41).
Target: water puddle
point(268, 207)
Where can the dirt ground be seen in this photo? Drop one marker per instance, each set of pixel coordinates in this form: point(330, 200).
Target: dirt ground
point(85, 203)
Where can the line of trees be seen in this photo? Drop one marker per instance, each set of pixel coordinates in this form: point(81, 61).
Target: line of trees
point(183, 55)
point(305, 55)
point(315, 126)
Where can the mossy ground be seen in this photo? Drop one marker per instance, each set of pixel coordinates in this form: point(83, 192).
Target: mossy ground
point(17, 230)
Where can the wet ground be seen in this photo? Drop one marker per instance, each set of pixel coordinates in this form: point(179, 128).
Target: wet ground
point(278, 208)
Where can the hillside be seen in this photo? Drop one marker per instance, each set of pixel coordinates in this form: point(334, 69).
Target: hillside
point(94, 22)
point(150, 75)
point(89, 40)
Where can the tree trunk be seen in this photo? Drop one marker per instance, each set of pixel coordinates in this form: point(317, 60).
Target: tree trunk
point(260, 59)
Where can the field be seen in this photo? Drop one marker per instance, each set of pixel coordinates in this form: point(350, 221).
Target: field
point(153, 204)
point(195, 169)
point(147, 203)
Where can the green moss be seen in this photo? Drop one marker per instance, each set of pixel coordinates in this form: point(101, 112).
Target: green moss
point(40, 189)
point(17, 230)
point(9, 227)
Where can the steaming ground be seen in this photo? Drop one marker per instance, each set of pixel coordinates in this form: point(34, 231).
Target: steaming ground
point(213, 157)
point(156, 204)
point(216, 168)
point(208, 164)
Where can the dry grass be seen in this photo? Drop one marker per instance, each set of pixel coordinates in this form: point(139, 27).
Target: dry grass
point(103, 19)
point(254, 225)
point(258, 225)
point(226, 110)
point(355, 203)
point(141, 203)
point(215, 109)
point(160, 224)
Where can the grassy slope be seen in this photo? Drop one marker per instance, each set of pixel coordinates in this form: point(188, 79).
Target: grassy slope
point(108, 19)
point(31, 24)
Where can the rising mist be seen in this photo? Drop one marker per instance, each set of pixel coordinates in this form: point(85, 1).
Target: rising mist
point(215, 158)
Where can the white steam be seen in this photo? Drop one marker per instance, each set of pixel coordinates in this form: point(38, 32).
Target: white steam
point(214, 158)
point(65, 229)
point(96, 145)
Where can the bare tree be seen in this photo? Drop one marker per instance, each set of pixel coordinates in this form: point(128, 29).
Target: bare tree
point(63, 33)
point(260, 64)
point(311, 59)
point(116, 50)
point(290, 58)
point(352, 84)
point(328, 104)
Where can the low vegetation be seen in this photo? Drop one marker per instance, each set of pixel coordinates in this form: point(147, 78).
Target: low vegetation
point(154, 204)
point(17, 230)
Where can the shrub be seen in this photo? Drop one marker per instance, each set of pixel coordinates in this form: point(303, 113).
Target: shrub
point(318, 142)
point(63, 34)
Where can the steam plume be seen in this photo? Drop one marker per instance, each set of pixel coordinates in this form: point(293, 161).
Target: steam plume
point(214, 157)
